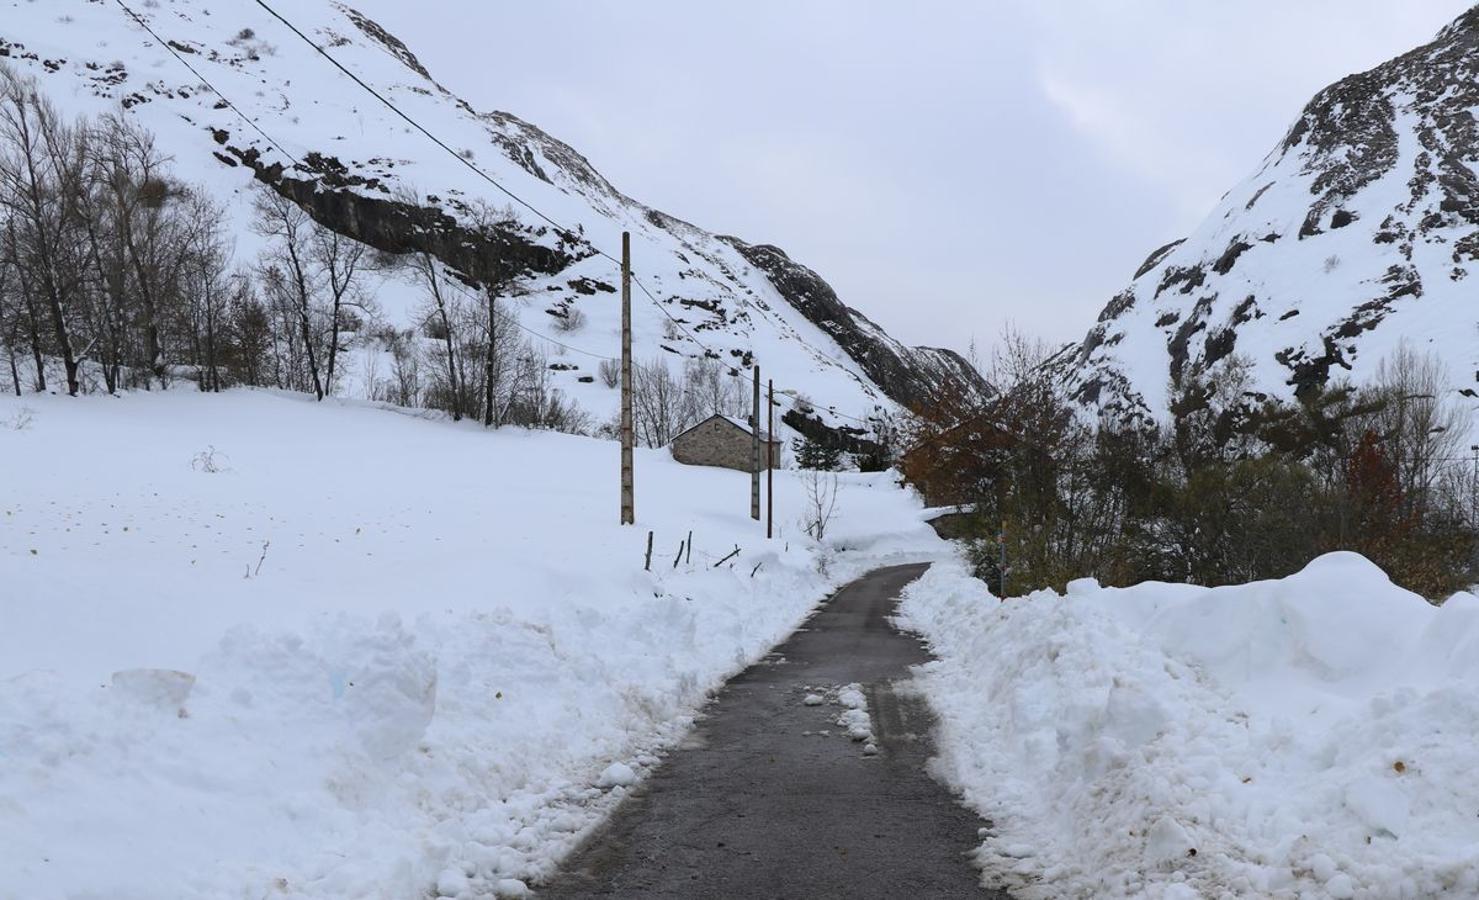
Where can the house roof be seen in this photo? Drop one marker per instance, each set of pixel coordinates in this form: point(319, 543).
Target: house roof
point(736, 421)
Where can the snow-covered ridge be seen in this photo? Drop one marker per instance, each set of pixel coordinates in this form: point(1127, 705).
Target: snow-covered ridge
point(364, 171)
point(1359, 229)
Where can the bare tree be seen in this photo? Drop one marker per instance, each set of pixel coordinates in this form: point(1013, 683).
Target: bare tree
point(26, 312)
point(507, 358)
point(342, 261)
point(249, 326)
point(1420, 427)
point(288, 276)
point(610, 372)
point(10, 322)
point(154, 236)
point(40, 176)
point(661, 406)
point(210, 295)
point(504, 353)
point(712, 389)
point(443, 318)
point(821, 501)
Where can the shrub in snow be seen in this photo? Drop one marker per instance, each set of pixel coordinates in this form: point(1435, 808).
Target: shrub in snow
point(821, 502)
point(610, 372)
point(573, 320)
point(209, 461)
point(20, 420)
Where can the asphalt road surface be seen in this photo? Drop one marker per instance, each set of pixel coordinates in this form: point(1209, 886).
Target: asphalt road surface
point(759, 803)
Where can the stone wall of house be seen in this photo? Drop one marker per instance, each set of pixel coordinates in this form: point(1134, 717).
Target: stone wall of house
point(719, 443)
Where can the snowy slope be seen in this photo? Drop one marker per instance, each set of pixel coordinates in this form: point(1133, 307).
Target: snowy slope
point(366, 172)
point(1360, 229)
point(1310, 737)
point(370, 654)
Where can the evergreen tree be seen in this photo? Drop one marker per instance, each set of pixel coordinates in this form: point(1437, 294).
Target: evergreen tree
point(816, 455)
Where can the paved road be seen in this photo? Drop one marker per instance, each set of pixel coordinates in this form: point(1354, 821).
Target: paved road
point(754, 807)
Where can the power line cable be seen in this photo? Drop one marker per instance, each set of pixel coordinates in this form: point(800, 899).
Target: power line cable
point(563, 230)
point(544, 337)
point(203, 80)
point(318, 48)
point(413, 123)
point(234, 108)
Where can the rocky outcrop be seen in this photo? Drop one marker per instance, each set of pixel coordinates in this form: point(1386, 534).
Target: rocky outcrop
point(1357, 232)
point(485, 254)
point(909, 375)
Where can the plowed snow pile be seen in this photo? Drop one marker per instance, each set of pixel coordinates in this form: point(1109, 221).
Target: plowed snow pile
point(253, 646)
point(1309, 737)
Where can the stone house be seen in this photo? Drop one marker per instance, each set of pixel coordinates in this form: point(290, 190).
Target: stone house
point(725, 441)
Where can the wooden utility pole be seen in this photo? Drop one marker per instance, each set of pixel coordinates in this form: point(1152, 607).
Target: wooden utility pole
point(628, 436)
point(770, 460)
point(755, 452)
point(1003, 564)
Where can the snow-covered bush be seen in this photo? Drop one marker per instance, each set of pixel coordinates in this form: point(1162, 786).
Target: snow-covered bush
point(573, 320)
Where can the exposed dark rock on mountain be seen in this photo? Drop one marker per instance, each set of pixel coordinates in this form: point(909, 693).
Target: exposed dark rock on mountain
point(1358, 231)
point(909, 375)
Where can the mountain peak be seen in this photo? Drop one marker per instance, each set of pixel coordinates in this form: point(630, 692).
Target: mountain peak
point(1359, 231)
point(1464, 27)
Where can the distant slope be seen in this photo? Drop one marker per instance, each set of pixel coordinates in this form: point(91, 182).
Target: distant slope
point(358, 167)
point(1359, 230)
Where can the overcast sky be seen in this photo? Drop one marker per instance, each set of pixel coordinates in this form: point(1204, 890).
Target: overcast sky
point(947, 165)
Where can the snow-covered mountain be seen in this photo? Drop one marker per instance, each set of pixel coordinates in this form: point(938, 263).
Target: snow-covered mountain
point(278, 112)
point(1360, 229)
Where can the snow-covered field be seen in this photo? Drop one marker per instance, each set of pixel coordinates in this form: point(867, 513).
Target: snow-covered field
point(255, 646)
point(369, 655)
point(1312, 737)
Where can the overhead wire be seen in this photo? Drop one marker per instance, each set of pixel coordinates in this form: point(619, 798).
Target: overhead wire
point(544, 337)
point(564, 231)
point(463, 160)
point(412, 122)
point(203, 80)
point(271, 140)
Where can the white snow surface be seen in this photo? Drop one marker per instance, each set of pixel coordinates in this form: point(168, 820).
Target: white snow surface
point(448, 667)
point(854, 719)
point(1310, 737)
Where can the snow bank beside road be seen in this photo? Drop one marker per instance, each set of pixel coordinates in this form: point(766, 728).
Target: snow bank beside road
point(445, 667)
point(1307, 737)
